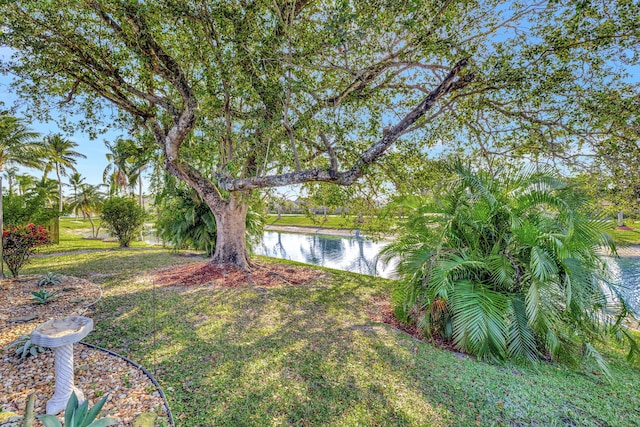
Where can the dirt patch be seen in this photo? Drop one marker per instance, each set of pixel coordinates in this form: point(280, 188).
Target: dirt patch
point(226, 276)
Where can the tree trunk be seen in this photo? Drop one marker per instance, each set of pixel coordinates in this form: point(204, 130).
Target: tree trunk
point(140, 201)
point(620, 219)
point(93, 228)
point(59, 188)
point(231, 234)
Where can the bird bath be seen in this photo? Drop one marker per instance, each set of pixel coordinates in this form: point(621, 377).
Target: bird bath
point(60, 334)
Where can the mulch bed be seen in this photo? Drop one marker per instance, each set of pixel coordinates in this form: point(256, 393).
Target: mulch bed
point(97, 373)
point(226, 276)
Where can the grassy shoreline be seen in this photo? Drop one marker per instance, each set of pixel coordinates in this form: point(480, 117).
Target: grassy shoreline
point(311, 355)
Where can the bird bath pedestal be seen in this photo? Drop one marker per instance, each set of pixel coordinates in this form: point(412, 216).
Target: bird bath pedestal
point(60, 334)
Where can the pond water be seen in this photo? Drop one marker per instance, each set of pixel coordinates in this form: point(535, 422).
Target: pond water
point(361, 256)
point(626, 274)
point(342, 253)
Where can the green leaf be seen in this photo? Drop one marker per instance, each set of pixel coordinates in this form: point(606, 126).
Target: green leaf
point(522, 341)
point(49, 421)
point(592, 353)
point(103, 422)
point(81, 413)
point(72, 404)
point(95, 410)
point(479, 319)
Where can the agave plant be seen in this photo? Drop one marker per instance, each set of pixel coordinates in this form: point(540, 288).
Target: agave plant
point(76, 415)
point(50, 279)
point(24, 347)
point(506, 267)
point(44, 296)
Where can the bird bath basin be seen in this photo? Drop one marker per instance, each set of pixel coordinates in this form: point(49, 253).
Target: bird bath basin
point(60, 334)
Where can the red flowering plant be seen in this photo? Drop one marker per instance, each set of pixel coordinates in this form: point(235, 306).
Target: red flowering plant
point(20, 242)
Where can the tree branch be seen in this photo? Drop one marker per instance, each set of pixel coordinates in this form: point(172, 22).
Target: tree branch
point(375, 151)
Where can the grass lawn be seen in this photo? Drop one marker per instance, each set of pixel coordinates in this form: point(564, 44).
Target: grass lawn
point(331, 221)
point(628, 237)
point(73, 237)
point(311, 356)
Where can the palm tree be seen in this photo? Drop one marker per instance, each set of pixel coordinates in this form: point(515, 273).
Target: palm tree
point(25, 183)
point(48, 189)
point(128, 159)
point(505, 266)
point(10, 172)
point(117, 171)
point(89, 200)
point(60, 155)
point(146, 155)
point(75, 180)
point(16, 147)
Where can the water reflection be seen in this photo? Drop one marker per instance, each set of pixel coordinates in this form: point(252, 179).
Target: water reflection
point(342, 253)
point(361, 256)
point(626, 274)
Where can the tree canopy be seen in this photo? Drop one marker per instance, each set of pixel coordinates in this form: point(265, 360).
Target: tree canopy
point(253, 94)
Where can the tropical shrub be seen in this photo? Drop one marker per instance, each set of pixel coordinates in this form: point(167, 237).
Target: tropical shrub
point(505, 266)
point(30, 207)
point(20, 242)
point(124, 218)
point(185, 221)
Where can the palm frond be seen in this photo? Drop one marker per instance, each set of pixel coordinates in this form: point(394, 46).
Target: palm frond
point(522, 340)
point(479, 320)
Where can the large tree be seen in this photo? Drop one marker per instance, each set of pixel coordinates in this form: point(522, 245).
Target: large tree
point(253, 94)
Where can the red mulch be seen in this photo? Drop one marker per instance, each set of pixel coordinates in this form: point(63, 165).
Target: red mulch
point(625, 228)
point(226, 276)
point(382, 311)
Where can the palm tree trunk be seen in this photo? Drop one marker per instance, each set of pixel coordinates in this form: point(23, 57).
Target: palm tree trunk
point(59, 188)
point(93, 228)
point(140, 202)
point(75, 198)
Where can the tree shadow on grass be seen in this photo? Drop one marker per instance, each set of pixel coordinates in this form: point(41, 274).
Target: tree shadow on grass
point(282, 356)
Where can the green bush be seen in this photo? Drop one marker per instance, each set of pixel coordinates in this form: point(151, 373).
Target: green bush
point(124, 218)
point(50, 279)
point(28, 208)
point(44, 296)
point(23, 347)
point(506, 267)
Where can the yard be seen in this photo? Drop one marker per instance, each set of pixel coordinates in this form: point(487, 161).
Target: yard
point(316, 352)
